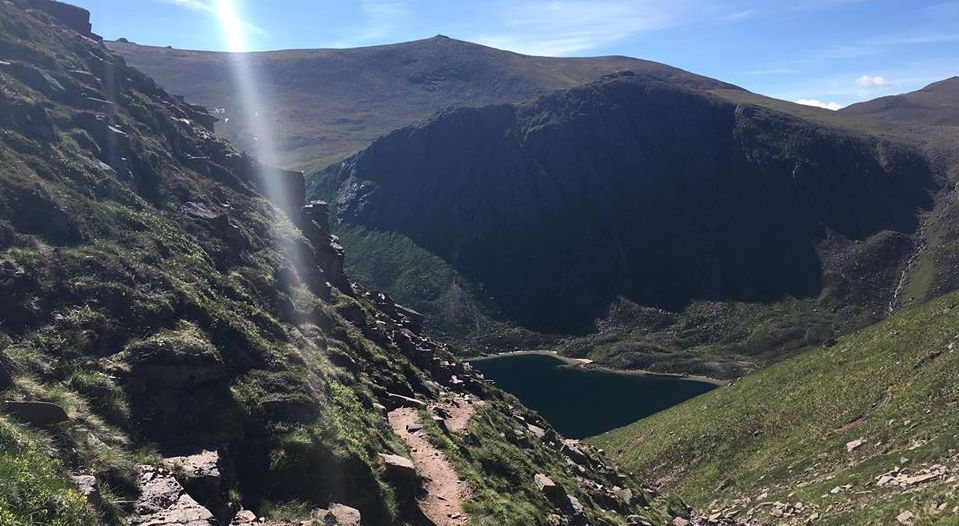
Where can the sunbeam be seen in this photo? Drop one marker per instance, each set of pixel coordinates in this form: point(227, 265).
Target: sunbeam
point(272, 182)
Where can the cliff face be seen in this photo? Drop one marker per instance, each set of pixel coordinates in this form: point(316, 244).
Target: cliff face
point(632, 188)
point(176, 347)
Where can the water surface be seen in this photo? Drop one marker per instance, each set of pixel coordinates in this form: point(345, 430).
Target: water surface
point(582, 402)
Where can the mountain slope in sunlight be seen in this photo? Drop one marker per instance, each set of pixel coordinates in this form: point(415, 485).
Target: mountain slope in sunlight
point(326, 104)
point(858, 433)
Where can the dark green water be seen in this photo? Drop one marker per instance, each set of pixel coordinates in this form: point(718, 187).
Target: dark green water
point(582, 402)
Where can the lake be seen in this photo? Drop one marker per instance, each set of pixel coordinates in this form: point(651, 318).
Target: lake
point(581, 402)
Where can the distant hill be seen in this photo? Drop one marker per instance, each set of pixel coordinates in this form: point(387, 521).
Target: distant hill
point(934, 105)
point(644, 192)
point(931, 117)
point(326, 104)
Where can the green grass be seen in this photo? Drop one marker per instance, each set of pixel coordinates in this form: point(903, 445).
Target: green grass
point(783, 430)
point(34, 489)
point(500, 473)
point(453, 305)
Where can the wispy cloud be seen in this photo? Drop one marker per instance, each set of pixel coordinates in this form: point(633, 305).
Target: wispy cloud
point(819, 104)
point(771, 71)
point(206, 6)
point(381, 20)
point(740, 15)
point(542, 27)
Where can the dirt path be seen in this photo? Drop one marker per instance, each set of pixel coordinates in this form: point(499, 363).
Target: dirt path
point(445, 492)
point(457, 411)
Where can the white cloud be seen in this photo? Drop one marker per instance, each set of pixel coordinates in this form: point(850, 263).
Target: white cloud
point(819, 104)
point(874, 81)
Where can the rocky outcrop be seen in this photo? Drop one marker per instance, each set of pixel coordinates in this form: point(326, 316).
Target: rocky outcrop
point(201, 476)
point(74, 17)
point(163, 501)
point(328, 252)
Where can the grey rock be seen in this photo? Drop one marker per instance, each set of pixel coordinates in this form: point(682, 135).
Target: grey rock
point(87, 486)
point(163, 502)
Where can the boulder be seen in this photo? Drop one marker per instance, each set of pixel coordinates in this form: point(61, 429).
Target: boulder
point(395, 401)
point(401, 473)
point(397, 465)
point(574, 451)
point(42, 414)
point(87, 486)
point(537, 431)
point(855, 444)
point(907, 518)
point(338, 515)
point(411, 318)
point(243, 517)
point(76, 18)
point(552, 491)
point(163, 501)
point(200, 475)
point(575, 510)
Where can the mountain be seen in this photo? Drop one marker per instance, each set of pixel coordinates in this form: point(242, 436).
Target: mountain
point(934, 105)
point(674, 208)
point(175, 348)
point(931, 117)
point(863, 432)
point(326, 104)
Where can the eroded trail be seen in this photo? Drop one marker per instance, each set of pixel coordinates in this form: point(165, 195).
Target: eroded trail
point(445, 491)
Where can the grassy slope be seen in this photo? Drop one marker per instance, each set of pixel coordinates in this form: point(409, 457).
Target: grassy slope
point(34, 489)
point(453, 305)
point(783, 430)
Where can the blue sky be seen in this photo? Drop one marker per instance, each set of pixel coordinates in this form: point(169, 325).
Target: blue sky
point(830, 52)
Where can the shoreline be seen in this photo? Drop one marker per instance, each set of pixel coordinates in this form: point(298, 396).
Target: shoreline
point(583, 363)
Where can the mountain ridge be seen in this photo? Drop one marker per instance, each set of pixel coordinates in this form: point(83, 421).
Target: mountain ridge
point(608, 154)
point(330, 103)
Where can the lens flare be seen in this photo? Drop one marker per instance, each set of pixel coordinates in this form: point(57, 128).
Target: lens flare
point(257, 112)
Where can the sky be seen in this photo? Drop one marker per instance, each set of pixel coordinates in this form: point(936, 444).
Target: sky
point(830, 53)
